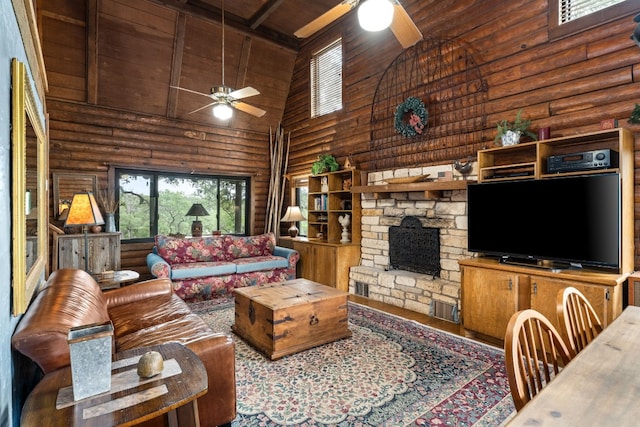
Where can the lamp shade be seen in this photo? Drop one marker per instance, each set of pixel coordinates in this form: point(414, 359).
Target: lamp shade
point(375, 15)
point(84, 211)
point(197, 210)
point(293, 214)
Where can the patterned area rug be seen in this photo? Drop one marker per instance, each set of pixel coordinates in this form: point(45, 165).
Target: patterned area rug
point(391, 372)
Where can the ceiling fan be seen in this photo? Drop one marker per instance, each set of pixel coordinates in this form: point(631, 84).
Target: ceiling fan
point(225, 98)
point(389, 12)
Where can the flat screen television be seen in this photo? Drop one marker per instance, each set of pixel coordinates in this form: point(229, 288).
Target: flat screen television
point(574, 220)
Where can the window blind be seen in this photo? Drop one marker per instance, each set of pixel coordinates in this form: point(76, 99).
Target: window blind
point(326, 79)
point(571, 10)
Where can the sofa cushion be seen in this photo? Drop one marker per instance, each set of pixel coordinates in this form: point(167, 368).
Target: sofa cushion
point(179, 250)
point(164, 316)
point(251, 246)
point(201, 269)
point(260, 263)
point(183, 330)
point(157, 309)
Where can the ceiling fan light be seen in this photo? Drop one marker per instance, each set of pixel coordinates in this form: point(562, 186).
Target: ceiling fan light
point(222, 111)
point(375, 15)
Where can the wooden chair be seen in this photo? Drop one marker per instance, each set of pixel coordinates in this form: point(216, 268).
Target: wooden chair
point(534, 354)
point(578, 321)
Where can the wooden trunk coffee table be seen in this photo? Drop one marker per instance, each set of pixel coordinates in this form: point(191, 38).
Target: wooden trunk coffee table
point(280, 319)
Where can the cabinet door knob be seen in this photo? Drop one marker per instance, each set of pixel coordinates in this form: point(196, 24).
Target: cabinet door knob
point(535, 288)
point(510, 284)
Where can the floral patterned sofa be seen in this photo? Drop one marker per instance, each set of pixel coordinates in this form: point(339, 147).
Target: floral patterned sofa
point(208, 267)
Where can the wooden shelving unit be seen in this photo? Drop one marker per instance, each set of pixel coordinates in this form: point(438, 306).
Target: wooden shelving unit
point(529, 160)
point(326, 205)
point(326, 259)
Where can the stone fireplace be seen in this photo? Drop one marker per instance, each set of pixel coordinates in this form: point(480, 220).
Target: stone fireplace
point(378, 278)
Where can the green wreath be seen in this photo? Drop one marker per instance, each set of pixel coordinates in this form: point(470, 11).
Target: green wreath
point(417, 121)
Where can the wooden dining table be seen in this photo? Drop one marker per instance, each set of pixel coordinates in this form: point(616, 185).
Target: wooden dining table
point(599, 387)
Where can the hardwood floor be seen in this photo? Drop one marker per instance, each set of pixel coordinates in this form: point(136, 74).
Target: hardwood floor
point(422, 318)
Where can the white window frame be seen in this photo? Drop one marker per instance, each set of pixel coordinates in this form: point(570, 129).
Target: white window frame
point(326, 79)
point(606, 14)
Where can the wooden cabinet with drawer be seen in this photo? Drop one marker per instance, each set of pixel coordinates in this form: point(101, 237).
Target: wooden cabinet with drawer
point(492, 292)
point(104, 251)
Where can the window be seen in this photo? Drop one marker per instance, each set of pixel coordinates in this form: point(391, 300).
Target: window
point(568, 17)
point(326, 79)
point(156, 203)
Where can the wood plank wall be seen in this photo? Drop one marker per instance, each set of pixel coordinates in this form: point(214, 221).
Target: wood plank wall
point(570, 85)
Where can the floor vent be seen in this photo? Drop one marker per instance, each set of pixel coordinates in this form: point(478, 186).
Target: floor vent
point(444, 311)
point(362, 289)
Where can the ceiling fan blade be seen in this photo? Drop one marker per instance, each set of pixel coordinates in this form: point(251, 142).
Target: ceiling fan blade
point(208, 95)
point(202, 108)
point(326, 19)
point(249, 109)
point(245, 92)
point(404, 28)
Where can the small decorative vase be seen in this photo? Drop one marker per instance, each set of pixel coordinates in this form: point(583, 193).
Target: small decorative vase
point(511, 138)
point(109, 223)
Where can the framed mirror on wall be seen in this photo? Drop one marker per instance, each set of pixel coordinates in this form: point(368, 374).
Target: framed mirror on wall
point(28, 191)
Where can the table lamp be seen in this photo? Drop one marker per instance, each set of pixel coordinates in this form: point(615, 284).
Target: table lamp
point(196, 226)
point(293, 215)
point(84, 212)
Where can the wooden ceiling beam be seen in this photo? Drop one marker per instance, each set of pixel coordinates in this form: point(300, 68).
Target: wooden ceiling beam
point(205, 11)
point(267, 9)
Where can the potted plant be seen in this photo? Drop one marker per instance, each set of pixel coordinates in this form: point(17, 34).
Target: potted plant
point(325, 163)
point(635, 115)
point(509, 133)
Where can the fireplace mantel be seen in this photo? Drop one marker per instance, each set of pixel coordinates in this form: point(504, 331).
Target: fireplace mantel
point(432, 189)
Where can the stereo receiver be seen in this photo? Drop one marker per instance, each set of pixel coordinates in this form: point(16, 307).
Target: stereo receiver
point(585, 160)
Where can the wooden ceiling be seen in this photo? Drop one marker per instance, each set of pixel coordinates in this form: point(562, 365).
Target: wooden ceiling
point(275, 20)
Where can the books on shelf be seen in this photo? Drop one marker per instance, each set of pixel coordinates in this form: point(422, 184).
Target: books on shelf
point(320, 203)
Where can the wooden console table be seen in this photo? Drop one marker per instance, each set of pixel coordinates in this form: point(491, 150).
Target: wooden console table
point(124, 404)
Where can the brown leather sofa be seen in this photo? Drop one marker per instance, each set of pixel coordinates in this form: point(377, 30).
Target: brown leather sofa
point(143, 314)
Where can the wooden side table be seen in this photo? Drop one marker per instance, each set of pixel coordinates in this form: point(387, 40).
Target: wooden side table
point(121, 277)
point(125, 404)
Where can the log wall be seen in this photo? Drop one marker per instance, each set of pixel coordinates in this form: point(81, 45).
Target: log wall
point(92, 139)
point(570, 85)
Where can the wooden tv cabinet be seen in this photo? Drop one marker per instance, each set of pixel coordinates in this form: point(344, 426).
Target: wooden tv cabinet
point(492, 292)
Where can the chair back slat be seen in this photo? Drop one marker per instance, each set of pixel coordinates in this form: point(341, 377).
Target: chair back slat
point(579, 323)
point(534, 354)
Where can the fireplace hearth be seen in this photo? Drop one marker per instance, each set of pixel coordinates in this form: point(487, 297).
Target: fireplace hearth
point(414, 248)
